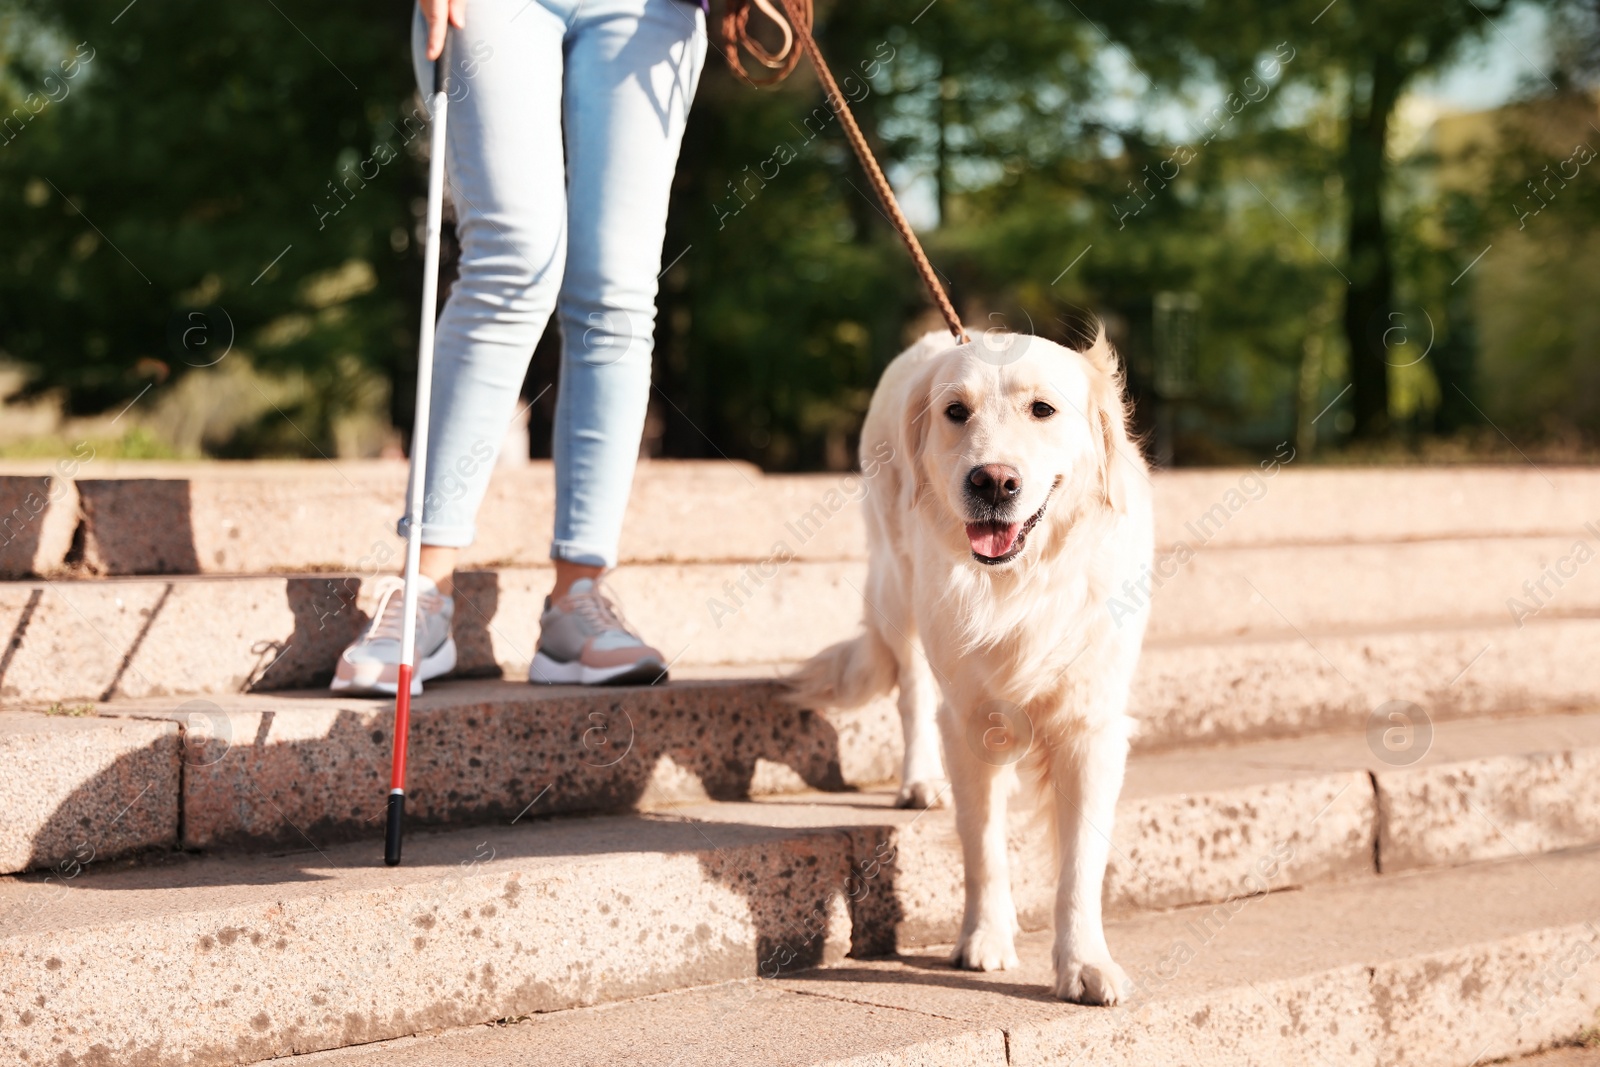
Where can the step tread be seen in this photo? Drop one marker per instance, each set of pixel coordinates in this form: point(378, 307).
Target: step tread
point(148, 637)
point(180, 883)
point(1223, 591)
point(249, 512)
point(1341, 974)
point(562, 846)
point(177, 882)
point(625, 905)
point(1153, 771)
point(1198, 767)
point(455, 692)
point(276, 767)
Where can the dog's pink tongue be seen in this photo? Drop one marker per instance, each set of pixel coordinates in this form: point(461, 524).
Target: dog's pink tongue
point(992, 539)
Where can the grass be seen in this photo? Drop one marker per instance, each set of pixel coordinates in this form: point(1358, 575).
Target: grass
point(135, 443)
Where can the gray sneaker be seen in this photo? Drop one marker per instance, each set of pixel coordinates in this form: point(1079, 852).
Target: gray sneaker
point(371, 665)
point(584, 641)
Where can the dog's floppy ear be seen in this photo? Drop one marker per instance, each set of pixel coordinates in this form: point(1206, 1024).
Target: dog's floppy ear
point(914, 438)
point(1109, 415)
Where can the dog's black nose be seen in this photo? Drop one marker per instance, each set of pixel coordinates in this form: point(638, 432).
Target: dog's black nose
point(994, 483)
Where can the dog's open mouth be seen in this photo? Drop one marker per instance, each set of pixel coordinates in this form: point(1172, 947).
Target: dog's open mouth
point(998, 542)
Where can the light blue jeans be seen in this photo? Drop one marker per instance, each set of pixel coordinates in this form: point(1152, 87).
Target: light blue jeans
point(564, 123)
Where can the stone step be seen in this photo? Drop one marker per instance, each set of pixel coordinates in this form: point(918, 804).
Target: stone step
point(1450, 968)
point(93, 639)
point(273, 770)
point(482, 749)
point(1224, 691)
point(72, 776)
point(256, 517)
point(533, 914)
point(295, 778)
point(307, 770)
point(131, 640)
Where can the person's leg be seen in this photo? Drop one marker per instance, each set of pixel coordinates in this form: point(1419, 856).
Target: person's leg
point(568, 572)
point(505, 178)
point(437, 563)
point(631, 71)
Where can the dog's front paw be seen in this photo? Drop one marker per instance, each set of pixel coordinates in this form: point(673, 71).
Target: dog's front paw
point(988, 948)
point(924, 794)
point(1090, 981)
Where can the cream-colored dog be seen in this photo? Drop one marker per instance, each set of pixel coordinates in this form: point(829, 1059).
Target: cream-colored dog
point(1012, 506)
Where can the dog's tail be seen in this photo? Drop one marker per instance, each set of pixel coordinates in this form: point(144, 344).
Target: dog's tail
point(845, 675)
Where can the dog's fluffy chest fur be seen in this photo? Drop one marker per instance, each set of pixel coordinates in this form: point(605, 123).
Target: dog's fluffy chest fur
point(1024, 636)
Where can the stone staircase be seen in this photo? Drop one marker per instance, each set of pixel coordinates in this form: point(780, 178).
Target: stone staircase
point(1358, 827)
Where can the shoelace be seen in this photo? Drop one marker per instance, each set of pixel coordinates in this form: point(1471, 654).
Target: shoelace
point(598, 610)
point(390, 612)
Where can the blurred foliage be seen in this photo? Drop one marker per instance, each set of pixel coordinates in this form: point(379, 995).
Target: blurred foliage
point(1358, 58)
point(1070, 159)
point(188, 161)
point(135, 443)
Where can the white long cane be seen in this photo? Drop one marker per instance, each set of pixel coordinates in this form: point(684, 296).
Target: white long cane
point(438, 104)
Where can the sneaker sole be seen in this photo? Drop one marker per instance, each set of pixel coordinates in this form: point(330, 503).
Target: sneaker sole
point(546, 671)
point(441, 661)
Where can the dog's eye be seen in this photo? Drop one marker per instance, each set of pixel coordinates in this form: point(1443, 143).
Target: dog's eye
point(1041, 410)
point(957, 413)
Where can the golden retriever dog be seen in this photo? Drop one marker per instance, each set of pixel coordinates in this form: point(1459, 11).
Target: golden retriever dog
point(1012, 507)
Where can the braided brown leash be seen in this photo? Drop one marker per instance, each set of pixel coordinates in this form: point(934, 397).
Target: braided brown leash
point(797, 24)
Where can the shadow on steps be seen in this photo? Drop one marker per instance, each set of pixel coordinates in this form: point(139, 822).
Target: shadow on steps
point(305, 768)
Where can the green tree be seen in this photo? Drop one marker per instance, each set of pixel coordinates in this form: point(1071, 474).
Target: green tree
point(1363, 53)
point(792, 291)
point(207, 156)
point(265, 160)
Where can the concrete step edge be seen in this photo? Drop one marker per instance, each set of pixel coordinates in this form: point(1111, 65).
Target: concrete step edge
point(786, 605)
point(1449, 969)
point(806, 879)
point(165, 517)
point(269, 770)
point(139, 638)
